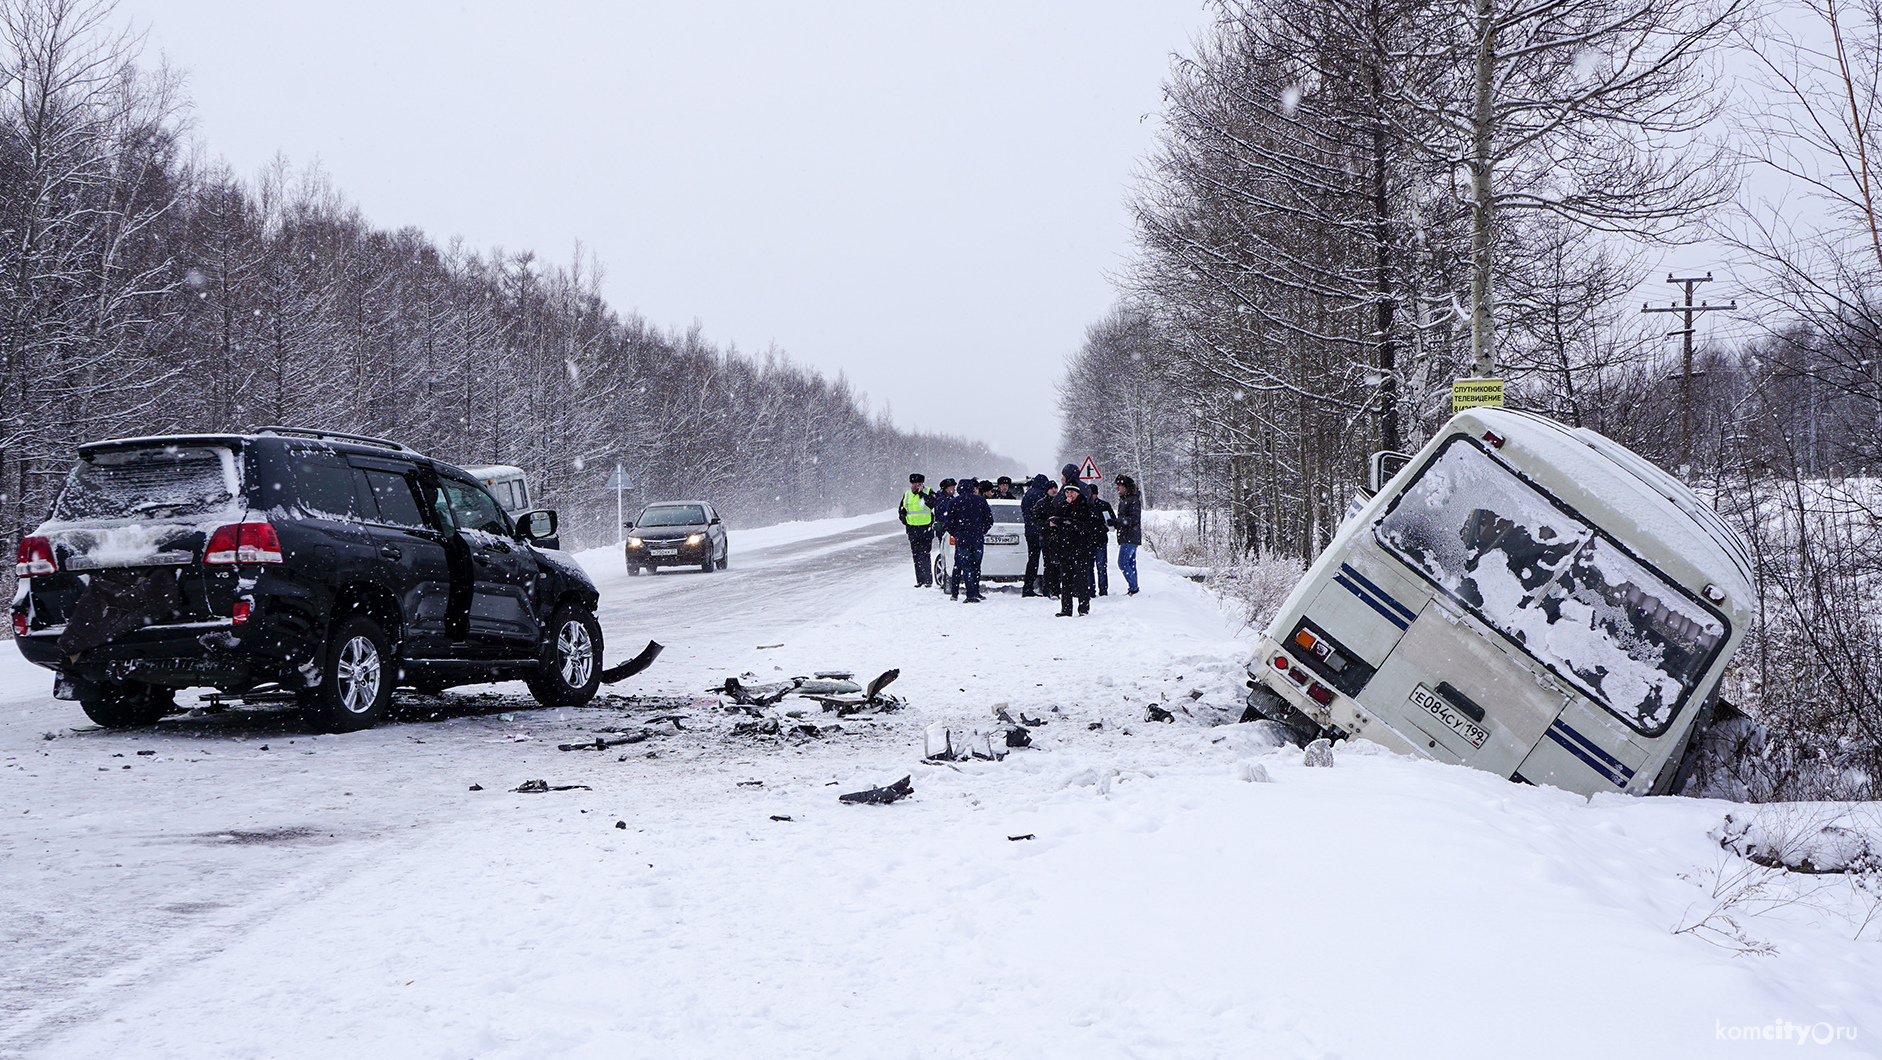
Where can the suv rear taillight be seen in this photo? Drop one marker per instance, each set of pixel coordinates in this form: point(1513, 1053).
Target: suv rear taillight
point(252, 542)
point(35, 557)
point(20, 625)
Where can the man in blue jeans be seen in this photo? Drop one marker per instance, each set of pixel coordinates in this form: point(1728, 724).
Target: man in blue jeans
point(969, 518)
point(1129, 522)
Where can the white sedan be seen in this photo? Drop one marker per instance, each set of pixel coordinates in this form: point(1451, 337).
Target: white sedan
point(1005, 559)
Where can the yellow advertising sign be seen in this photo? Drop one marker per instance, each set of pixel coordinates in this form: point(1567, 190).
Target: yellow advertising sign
point(1476, 393)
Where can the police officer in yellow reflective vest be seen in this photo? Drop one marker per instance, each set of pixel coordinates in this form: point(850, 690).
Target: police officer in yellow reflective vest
point(917, 513)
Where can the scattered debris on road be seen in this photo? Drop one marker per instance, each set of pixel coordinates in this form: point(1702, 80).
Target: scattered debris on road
point(871, 698)
point(942, 744)
point(901, 789)
point(1017, 838)
point(632, 666)
point(756, 695)
point(533, 787)
point(602, 744)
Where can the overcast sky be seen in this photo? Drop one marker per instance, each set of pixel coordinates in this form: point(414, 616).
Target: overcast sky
point(926, 197)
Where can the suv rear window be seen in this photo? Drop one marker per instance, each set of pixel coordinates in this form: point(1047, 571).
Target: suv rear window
point(158, 482)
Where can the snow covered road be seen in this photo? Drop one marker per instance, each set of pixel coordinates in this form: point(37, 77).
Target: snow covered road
point(246, 890)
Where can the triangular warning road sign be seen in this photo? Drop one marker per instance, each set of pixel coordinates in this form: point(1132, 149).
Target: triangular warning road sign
point(1089, 472)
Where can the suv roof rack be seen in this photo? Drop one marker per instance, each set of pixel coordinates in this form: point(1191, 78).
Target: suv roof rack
point(360, 438)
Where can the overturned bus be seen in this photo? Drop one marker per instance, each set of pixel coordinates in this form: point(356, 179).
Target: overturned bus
point(1521, 597)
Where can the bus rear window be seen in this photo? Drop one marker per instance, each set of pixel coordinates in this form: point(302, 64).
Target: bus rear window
point(1545, 578)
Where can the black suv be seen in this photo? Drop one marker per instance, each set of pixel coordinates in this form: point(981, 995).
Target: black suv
point(323, 566)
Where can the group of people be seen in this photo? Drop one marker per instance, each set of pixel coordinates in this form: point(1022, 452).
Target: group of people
point(1067, 524)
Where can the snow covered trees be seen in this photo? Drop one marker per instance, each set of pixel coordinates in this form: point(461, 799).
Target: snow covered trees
point(141, 293)
point(88, 180)
point(1352, 201)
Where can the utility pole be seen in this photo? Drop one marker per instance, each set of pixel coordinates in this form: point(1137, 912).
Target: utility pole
point(1685, 377)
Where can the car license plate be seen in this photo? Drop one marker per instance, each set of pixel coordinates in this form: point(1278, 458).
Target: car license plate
point(1003, 539)
point(664, 551)
point(1438, 707)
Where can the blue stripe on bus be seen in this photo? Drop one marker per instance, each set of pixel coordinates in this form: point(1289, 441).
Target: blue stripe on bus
point(1410, 615)
point(1575, 749)
point(1595, 749)
point(1390, 616)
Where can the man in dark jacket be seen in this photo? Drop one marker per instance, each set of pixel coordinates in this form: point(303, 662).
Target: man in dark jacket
point(1068, 477)
point(1073, 527)
point(1100, 545)
point(969, 518)
point(939, 501)
point(942, 501)
point(1049, 566)
point(1035, 523)
point(1130, 529)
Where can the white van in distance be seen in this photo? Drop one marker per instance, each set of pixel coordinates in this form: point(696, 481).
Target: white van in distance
point(1521, 597)
point(506, 484)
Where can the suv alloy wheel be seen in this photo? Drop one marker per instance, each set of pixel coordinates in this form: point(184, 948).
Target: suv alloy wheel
point(571, 660)
point(356, 679)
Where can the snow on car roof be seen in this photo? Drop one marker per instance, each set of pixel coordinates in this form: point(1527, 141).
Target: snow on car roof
point(163, 439)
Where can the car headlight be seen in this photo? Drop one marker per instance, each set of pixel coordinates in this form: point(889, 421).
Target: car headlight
point(694, 539)
point(633, 542)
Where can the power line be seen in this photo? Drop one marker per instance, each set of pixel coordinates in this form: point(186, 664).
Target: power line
point(1685, 376)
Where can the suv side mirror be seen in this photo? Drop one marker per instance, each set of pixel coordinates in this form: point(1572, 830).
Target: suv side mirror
point(629, 525)
point(1383, 465)
point(715, 521)
point(538, 526)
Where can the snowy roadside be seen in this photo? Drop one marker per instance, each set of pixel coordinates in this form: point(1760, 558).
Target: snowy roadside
point(247, 890)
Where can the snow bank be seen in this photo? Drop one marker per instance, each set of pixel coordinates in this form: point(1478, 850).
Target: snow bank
point(1123, 888)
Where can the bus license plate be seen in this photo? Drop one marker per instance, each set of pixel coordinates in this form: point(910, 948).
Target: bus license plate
point(1436, 706)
